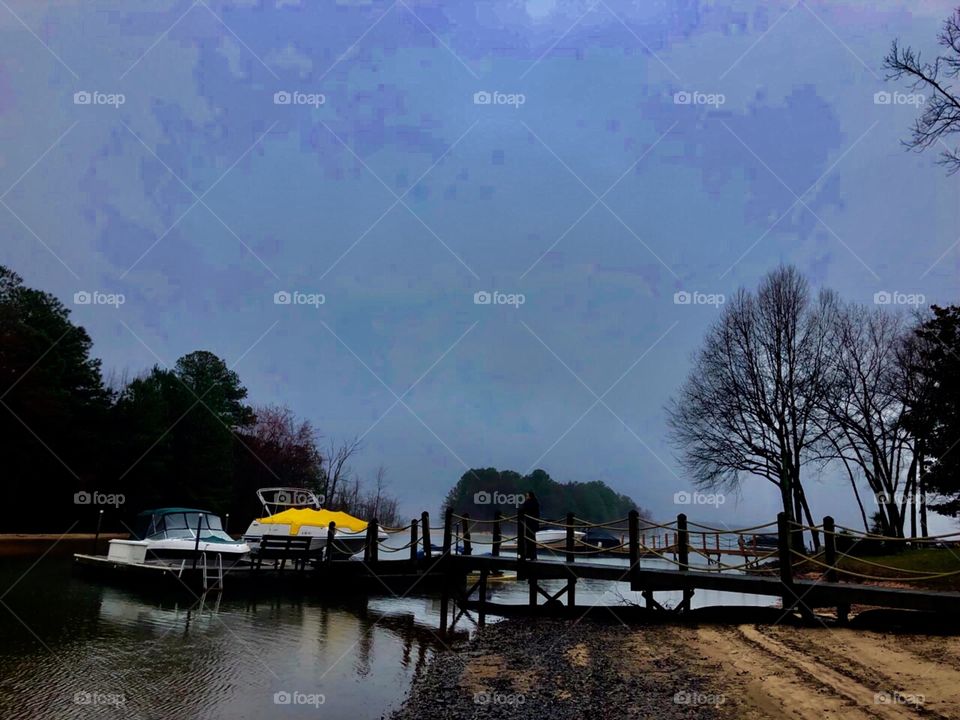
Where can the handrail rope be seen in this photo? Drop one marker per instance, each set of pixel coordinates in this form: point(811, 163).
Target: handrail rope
point(724, 566)
point(388, 529)
point(872, 536)
point(396, 549)
point(734, 531)
point(483, 522)
point(646, 526)
point(925, 576)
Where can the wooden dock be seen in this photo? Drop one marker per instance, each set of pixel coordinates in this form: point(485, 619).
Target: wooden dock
point(461, 577)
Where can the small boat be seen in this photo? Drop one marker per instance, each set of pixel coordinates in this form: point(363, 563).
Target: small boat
point(297, 512)
point(176, 534)
point(551, 536)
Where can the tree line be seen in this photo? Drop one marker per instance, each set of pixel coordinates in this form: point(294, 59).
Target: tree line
point(75, 443)
point(482, 492)
point(787, 379)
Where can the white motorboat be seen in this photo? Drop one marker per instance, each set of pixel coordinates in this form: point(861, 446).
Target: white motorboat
point(176, 534)
point(551, 536)
point(297, 512)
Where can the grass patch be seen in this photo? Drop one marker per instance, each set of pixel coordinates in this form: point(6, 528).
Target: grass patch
point(900, 567)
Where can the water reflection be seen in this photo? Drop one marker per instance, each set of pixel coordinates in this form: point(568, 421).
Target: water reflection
point(74, 649)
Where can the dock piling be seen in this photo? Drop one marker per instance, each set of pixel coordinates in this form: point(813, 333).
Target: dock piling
point(413, 541)
point(467, 547)
point(329, 550)
point(425, 532)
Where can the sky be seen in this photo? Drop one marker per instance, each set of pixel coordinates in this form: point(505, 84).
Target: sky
point(466, 232)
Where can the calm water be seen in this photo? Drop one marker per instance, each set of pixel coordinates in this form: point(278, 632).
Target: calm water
point(73, 648)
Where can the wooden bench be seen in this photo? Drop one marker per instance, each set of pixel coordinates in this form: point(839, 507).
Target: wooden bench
point(281, 548)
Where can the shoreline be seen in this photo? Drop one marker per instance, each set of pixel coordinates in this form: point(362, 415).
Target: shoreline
point(38, 544)
point(566, 670)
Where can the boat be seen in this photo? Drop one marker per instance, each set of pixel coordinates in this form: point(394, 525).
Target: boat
point(551, 536)
point(297, 512)
point(175, 534)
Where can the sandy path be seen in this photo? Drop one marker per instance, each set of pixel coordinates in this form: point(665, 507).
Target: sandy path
point(786, 672)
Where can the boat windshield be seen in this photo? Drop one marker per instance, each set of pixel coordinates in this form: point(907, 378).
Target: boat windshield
point(184, 525)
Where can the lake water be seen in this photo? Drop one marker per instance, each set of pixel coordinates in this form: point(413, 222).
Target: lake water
point(71, 647)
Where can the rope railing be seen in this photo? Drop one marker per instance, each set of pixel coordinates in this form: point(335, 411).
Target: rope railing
point(730, 531)
point(864, 576)
point(675, 543)
point(849, 532)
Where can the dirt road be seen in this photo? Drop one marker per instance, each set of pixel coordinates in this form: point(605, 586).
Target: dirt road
point(800, 673)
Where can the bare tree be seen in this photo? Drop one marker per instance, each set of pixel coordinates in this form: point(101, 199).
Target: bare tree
point(941, 111)
point(751, 403)
point(864, 413)
point(336, 469)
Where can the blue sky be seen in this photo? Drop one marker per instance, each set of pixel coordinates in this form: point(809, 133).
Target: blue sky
point(399, 197)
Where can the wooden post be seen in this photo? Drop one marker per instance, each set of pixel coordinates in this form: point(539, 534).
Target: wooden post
point(331, 548)
point(683, 543)
point(425, 531)
point(497, 536)
point(786, 561)
point(226, 523)
point(467, 547)
point(830, 557)
point(374, 528)
point(571, 538)
point(633, 524)
point(521, 535)
point(366, 544)
point(196, 545)
point(413, 541)
point(830, 548)
point(447, 530)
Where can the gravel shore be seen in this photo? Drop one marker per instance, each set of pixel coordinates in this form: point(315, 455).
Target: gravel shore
point(561, 670)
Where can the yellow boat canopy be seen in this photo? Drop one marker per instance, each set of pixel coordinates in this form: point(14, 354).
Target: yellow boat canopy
point(296, 517)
